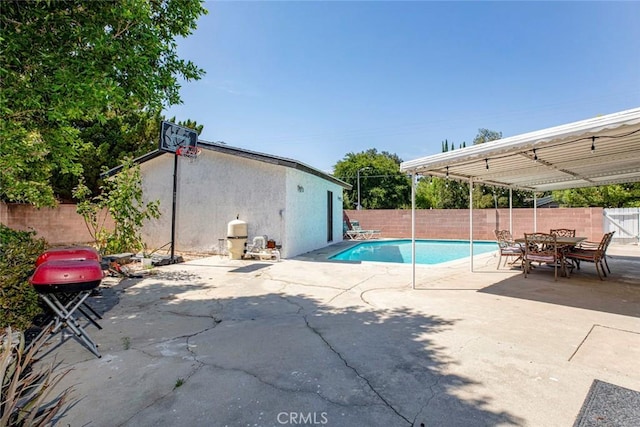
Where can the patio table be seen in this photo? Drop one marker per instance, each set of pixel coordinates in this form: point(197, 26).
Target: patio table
point(564, 243)
point(561, 240)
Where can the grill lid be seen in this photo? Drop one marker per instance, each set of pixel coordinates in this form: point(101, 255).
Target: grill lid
point(67, 275)
point(75, 253)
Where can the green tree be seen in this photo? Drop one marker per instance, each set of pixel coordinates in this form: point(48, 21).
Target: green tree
point(441, 193)
point(382, 185)
point(606, 196)
point(19, 251)
point(66, 63)
point(109, 143)
point(486, 135)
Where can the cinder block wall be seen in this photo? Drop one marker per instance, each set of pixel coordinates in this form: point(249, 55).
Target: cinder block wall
point(454, 223)
point(59, 226)
point(63, 226)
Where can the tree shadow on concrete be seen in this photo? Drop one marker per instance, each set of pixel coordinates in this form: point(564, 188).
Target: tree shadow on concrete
point(254, 358)
point(101, 300)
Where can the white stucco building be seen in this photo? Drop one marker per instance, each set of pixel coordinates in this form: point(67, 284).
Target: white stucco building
point(292, 203)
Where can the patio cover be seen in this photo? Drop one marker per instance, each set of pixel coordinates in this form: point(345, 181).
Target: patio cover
point(598, 151)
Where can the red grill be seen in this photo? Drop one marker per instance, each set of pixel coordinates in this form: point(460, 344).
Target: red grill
point(64, 279)
point(78, 253)
point(67, 276)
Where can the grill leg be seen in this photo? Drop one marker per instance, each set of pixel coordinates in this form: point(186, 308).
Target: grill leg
point(96, 324)
point(64, 317)
point(95, 313)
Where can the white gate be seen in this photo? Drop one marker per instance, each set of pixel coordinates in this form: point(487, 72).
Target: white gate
point(625, 222)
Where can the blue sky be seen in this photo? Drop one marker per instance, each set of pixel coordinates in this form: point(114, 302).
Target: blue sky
point(313, 81)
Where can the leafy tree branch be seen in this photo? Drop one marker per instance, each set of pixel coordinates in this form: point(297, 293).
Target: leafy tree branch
point(69, 63)
point(122, 198)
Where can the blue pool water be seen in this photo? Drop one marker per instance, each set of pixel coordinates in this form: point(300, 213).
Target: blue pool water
point(427, 251)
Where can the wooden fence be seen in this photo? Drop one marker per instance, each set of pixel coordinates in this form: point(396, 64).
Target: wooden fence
point(625, 222)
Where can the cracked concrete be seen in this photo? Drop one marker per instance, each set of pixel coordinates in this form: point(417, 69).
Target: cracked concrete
point(355, 371)
point(215, 342)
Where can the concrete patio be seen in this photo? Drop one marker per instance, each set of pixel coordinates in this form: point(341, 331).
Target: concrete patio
point(306, 341)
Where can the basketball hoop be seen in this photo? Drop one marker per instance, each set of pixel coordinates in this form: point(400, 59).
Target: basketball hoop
point(190, 152)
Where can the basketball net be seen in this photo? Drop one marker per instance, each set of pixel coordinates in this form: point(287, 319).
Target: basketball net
point(191, 153)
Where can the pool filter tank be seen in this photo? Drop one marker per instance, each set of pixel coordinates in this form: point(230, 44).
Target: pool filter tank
point(236, 238)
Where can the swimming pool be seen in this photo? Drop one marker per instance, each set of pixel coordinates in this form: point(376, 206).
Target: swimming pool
point(427, 251)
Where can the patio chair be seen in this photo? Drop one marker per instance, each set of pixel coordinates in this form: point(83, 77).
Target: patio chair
point(563, 232)
point(349, 233)
point(593, 252)
point(541, 248)
point(357, 233)
point(507, 247)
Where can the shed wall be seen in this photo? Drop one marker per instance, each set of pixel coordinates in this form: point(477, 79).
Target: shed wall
point(282, 203)
point(306, 212)
point(212, 191)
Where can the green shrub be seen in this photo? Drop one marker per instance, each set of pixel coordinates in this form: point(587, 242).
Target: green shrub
point(122, 197)
point(19, 251)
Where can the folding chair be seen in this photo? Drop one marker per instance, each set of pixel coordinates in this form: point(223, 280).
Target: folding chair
point(64, 286)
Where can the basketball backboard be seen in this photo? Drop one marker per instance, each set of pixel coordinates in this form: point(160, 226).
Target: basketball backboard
point(173, 136)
